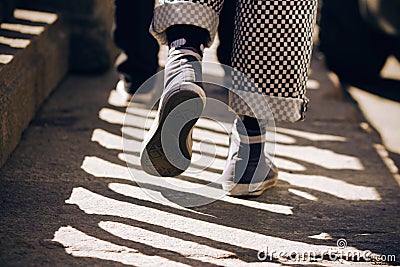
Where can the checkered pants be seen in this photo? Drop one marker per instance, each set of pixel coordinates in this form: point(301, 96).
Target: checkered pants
point(271, 50)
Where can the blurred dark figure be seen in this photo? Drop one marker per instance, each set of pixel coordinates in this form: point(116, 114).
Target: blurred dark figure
point(131, 35)
point(357, 36)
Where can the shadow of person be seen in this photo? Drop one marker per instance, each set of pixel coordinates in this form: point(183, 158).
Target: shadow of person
point(383, 87)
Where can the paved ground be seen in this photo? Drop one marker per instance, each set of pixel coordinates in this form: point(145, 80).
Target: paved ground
point(68, 198)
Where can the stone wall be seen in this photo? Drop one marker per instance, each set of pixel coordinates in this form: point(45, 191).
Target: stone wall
point(33, 60)
point(90, 23)
point(33, 64)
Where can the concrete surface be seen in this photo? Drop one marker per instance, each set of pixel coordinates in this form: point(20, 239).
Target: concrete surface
point(68, 199)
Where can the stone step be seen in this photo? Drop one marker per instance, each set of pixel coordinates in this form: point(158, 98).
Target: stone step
point(34, 53)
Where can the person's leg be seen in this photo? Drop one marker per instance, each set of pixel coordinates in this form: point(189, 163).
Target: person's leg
point(203, 14)
point(186, 27)
point(271, 56)
point(132, 36)
point(272, 47)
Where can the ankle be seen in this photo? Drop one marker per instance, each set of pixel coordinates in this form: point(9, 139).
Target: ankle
point(251, 138)
point(187, 37)
point(250, 127)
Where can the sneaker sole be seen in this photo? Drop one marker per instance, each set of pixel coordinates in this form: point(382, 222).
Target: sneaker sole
point(242, 190)
point(169, 155)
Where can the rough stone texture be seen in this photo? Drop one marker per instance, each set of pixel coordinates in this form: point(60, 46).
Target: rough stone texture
point(63, 199)
point(27, 80)
point(90, 21)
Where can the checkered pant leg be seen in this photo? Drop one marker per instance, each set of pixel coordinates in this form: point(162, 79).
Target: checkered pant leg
point(272, 48)
point(201, 13)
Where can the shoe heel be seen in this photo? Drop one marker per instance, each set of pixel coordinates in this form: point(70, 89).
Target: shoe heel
point(168, 151)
